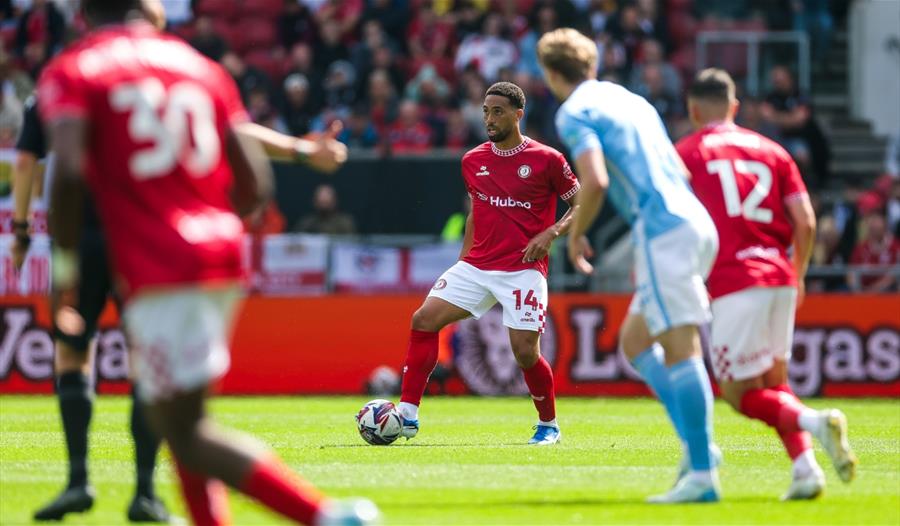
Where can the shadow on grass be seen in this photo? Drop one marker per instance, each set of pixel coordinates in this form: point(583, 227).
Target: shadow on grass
point(579, 502)
point(419, 444)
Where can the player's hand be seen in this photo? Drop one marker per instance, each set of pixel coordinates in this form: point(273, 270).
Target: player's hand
point(539, 246)
point(19, 251)
point(579, 252)
point(326, 153)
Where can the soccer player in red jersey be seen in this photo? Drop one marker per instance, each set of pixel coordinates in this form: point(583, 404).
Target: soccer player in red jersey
point(150, 126)
point(758, 201)
point(513, 183)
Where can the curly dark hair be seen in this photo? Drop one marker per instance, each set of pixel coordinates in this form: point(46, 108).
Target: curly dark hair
point(513, 93)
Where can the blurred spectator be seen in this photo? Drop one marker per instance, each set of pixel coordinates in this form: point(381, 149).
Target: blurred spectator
point(266, 221)
point(10, 120)
point(457, 133)
point(296, 24)
point(488, 51)
point(340, 86)
point(544, 20)
point(385, 59)
point(750, 116)
point(612, 55)
point(39, 34)
point(791, 113)
point(326, 218)
point(827, 252)
point(652, 54)
point(330, 47)
point(429, 83)
point(409, 133)
point(813, 17)
point(654, 90)
point(878, 247)
point(392, 16)
point(301, 61)
point(262, 111)
point(206, 40)
point(719, 9)
point(472, 104)
point(298, 106)
point(627, 29)
point(359, 132)
point(14, 83)
point(599, 14)
point(247, 77)
point(343, 14)
point(428, 35)
point(892, 156)
point(566, 14)
point(893, 208)
point(382, 98)
point(363, 53)
point(7, 14)
point(468, 16)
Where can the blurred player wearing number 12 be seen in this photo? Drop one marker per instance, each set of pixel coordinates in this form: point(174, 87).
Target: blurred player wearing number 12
point(151, 127)
point(513, 183)
point(756, 197)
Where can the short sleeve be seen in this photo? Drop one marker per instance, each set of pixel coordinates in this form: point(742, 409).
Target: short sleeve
point(62, 92)
point(32, 137)
point(562, 179)
point(575, 133)
point(794, 187)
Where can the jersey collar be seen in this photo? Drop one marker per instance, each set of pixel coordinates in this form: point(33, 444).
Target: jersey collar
point(511, 151)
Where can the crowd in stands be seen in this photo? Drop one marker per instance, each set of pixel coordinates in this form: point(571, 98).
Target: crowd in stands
point(407, 76)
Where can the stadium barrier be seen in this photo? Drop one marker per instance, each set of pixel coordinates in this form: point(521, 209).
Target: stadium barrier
point(844, 346)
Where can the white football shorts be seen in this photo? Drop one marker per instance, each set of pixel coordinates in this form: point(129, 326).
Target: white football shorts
point(180, 338)
point(752, 328)
point(522, 294)
point(670, 271)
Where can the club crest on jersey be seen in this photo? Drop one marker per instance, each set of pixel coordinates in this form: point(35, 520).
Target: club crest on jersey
point(524, 171)
point(484, 171)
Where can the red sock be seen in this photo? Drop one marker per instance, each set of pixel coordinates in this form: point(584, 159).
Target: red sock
point(795, 442)
point(272, 484)
point(539, 379)
point(421, 357)
point(207, 500)
point(779, 409)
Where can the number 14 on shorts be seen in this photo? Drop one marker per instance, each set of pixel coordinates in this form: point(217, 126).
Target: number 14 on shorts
point(530, 299)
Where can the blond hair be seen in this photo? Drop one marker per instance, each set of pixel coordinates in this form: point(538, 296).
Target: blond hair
point(569, 53)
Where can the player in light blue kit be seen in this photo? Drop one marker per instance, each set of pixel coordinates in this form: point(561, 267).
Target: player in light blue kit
point(620, 147)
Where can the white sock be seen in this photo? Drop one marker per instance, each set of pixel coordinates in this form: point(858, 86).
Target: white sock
point(805, 464)
point(409, 411)
point(810, 420)
point(703, 476)
point(551, 423)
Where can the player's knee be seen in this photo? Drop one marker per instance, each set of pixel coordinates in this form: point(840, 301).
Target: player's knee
point(69, 359)
point(732, 396)
point(423, 320)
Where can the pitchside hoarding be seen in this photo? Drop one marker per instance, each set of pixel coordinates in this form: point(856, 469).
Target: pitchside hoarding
point(844, 346)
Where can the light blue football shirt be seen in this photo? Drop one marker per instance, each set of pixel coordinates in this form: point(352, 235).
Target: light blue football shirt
point(647, 183)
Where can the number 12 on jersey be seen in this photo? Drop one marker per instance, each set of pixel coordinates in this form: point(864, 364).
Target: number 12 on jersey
point(530, 300)
point(727, 170)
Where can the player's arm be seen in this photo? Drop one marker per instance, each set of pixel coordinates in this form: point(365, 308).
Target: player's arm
point(591, 170)
point(324, 154)
point(803, 218)
point(468, 236)
point(253, 180)
point(539, 246)
point(68, 135)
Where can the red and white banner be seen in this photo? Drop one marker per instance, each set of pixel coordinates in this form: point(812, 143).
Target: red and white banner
point(34, 277)
point(289, 264)
point(364, 268)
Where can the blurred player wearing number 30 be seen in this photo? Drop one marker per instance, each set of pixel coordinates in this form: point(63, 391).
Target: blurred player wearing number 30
point(513, 183)
point(755, 194)
point(152, 127)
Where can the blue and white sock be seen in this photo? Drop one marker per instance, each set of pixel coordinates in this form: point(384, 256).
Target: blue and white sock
point(693, 397)
point(652, 365)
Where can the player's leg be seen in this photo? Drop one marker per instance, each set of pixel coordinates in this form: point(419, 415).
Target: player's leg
point(674, 304)
point(74, 326)
point(179, 353)
point(456, 295)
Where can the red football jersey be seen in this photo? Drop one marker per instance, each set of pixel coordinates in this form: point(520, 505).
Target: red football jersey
point(744, 180)
point(514, 195)
point(157, 114)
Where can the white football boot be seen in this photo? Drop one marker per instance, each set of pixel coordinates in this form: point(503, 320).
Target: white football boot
point(806, 487)
point(832, 434)
point(684, 467)
point(690, 489)
point(348, 512)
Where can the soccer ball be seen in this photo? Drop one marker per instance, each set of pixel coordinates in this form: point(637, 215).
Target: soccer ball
point(379, 422)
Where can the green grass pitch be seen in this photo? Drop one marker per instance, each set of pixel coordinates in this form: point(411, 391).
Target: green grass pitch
point(469, 465)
